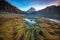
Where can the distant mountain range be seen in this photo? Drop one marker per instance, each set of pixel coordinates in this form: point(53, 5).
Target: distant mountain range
point(49, 12)
point(7, 7)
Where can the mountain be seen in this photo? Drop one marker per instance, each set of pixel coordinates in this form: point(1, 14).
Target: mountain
point(31, 10)
point(7, 7)
point(50, 12)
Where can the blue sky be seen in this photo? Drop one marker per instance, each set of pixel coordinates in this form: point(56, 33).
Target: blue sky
point(26, 4)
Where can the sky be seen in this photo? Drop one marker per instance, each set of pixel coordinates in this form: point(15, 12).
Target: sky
point(24, 5)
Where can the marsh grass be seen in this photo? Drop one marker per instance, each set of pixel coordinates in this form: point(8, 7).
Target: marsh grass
point(17, 29)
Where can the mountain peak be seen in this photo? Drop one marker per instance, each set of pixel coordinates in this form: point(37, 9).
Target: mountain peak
point(32, 9)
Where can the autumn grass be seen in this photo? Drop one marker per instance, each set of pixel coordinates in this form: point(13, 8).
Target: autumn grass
point(16, 28)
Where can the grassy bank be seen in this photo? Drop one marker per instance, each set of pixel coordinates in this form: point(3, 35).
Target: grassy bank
point(15, 28)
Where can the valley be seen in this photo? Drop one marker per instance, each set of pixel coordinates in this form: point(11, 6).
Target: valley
point(16, 24)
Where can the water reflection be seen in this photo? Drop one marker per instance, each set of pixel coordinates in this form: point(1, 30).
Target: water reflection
point(30, 21)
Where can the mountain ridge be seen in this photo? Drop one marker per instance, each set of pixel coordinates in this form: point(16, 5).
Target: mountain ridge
point(7, 7)
point(51, 11)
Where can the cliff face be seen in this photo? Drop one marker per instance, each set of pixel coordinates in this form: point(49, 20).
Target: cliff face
point(5, 6)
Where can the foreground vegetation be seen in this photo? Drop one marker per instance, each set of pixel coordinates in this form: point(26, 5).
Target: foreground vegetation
point(18, 29)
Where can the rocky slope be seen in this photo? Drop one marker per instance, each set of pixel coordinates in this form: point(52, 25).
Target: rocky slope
point(7, 7)
point(50, 12)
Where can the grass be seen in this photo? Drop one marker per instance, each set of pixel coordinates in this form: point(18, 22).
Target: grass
point(16, 29)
